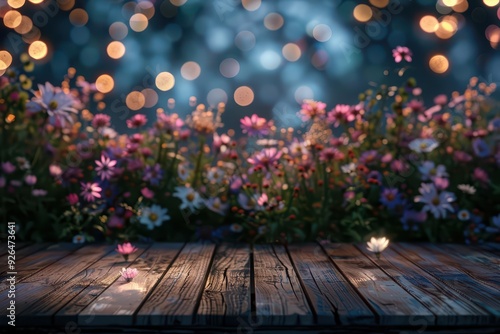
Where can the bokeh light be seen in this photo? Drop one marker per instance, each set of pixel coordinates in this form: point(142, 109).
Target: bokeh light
point(104, 83)
point(491, 3)
point(116, 50)
point(178, 2)
point(251, 5)
point(439, 64)
point(245, 40)
point(12, 19)
point(190, 70)
point(5, 59)
point(165, 81)
point(379, 3)
point(229, 67)
point(65, 5)
point(138, 22)
point(147, 8)
point(429, 23)
point(78, 17)
point(16, 3)
point(322, 32)
point(38, 50)
point(270, 60)
point(273, 21)
point(243, 96)
point(291, 52)
point(135, 100)
point(362, 13)
point(461, 7)
point(118, 30)
point(150, 96)
point(25, 26)
point(215, 96)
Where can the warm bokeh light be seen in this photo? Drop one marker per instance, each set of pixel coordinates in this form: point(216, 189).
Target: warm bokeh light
point(291, 52)
point(150, 96)
point(38, 50)
point(429, 23)
point(251, 5)
point(450, 3)
point(243, 96)
point(118, 30)
point(116, 50)
point(146, 8)
point(12, 19)
point(104, 83)
point(65, 5)
point(5, 59)
point(362, 13)
point(491, 3)
point(16, 3)
point(447, 27)
point(25, 26)
point(379, 3)
point(322, 32)
point(138, 22)
point(78, 17)
point(273, 21)
point(190, 70)
point(135, 100)
point(36, 1)
point(439, 64)
point(33, 35)
point(178, 3)
point(165, 81)
point(229, 67)
point(461, 7)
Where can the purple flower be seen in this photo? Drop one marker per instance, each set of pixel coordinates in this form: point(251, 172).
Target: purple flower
point(481, 148)
point(57, 103)
point(312, 109)
point(266, 158)
point(400, 53)
point(430, 171)
point(368, 157)
point(480, 175)
point(330, 154)
point(129, 274)
point(437, 203)
point(101, 121)
point(8, 167)
point(494, 124)
point(255, 125)
point(30, 180)
point(105, 167)
point(90, 191)
point(136, 121)
point(391, 198)
point(461, 156)
point(340, 114)
point(153, 174)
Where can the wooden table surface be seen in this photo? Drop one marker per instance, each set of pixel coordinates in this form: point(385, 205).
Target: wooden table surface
point(219, 288)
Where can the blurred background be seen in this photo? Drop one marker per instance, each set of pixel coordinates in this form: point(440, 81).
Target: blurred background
point(258, 56)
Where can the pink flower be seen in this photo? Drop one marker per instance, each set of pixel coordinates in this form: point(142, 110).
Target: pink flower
point(148, 193)
point(312, 109)
point(128, 274)
point(136, 121)
point(90, 191)
point(30, 180)
point(263, 200)
point(105, 167)
point(55, 170)
point(255, 125)
point(72, 199)
point(265, 158)
point(481, 175)
point(461, 156)
point(8, 167)
point(330, 154)
point(137, 138)
point(169, 123)
point(340, 114)
point(400, 53)
point(126, 249)
point(39, 192)
point(101, 121)
point(441, 183)
point(219, 141)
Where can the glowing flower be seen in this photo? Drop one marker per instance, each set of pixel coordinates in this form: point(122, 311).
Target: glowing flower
point(137, 121)
point(437, 203)
point(169, 123)
point(126, 249)
point(467, 189)
point(90, 191)
point(263, 200)
point(377, 245)
point(128, 274)
point(105, 167)
point(400, 53)
point(190, 198)
point(57, 103)
point(255, 125)
point(153, 216)
point(425, 145)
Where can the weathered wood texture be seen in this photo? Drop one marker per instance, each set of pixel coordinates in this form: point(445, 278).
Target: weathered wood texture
point(268, 287)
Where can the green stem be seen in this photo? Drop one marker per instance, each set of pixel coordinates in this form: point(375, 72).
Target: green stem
point(198, 162)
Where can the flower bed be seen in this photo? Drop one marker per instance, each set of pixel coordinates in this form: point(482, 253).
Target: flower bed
point(387, 165)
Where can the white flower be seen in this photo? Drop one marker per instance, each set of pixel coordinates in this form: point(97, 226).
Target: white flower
point(107, 132)
point(153, 216)
point(423, 145)
point(215, 175)
point(183, 171)
point(467, 189)
point(248, 203)
point(377, 245)
point(216, 205)
point(463, 215)
point(349, 168)
point(190, 198)
point(430, 171)
point(79, 239)
point(436, 203)
point(236, 228)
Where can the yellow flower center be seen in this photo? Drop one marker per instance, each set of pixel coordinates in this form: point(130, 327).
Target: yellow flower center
point(436, 201)
point(433, 171)
point(153, 217)
point(190, 197)
point(423, 145)
point(53, 105)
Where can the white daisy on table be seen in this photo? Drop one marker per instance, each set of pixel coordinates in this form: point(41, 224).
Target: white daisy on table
point(377, 245)
point(153, 216)
point(467, 189)
point(190, 198)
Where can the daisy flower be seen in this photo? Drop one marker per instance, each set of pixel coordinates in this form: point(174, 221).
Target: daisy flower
point(467, 189)
point(79, 239)
point(90, 191)
point(265, 158)
point(430, 171)
point(153, 216)
point(190, 198)
point(437, 203)
point(255, 125)
point(377, 245)
point(105, 167)
point(463, 215)
point(425, 145)
point(216, 205)
point(312, 109)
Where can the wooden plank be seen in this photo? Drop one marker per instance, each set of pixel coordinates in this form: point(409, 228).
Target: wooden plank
point(226, 298)
point(279, 298)
point(449, 307)
point(493, 247)
point(482, 295)
point(18, 246)
point(105, 273)
point(22, 253)
point(41, 310)
point(30, 265)
point(175, 299)
point(51, 277)
point(117, 304)
point(332, 297)
point(391, 302)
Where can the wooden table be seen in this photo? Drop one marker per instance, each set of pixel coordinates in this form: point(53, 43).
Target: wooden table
point(227, 288)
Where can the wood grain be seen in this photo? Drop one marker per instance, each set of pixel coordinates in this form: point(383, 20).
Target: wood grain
point(21, 254)
point(482, 295)
point(18, 246)
point(332, 297)
point(226, 297)
point(175, 299)
point(118, 303)
point(449, 307)
point(279, 297)
point(391, 302)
